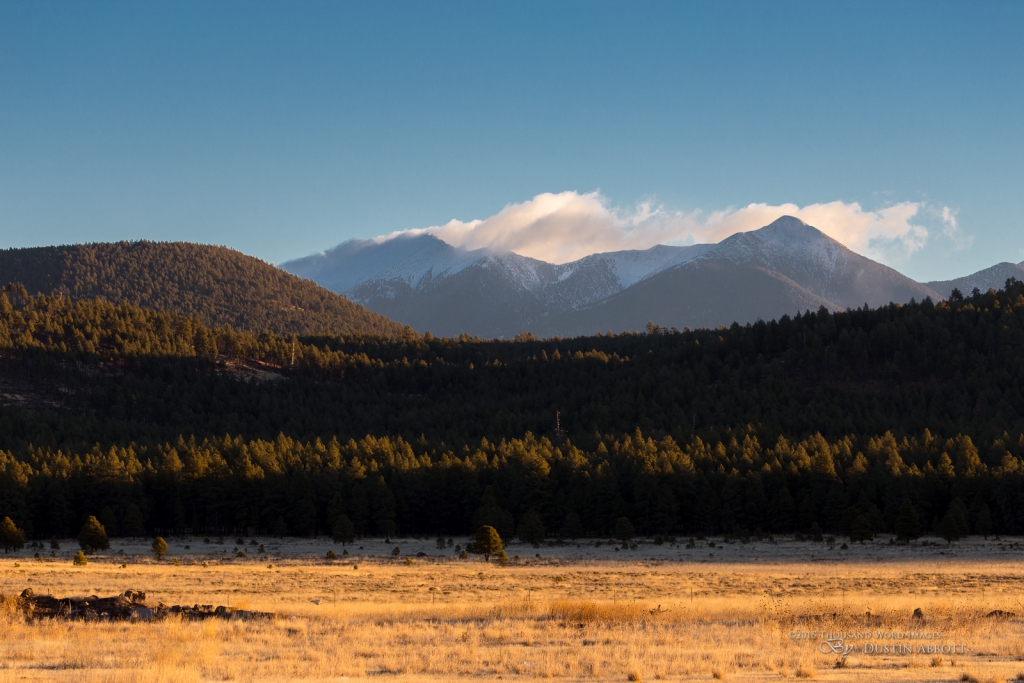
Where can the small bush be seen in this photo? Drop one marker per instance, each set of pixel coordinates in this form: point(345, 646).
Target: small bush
point(80, 560)
point(331, 555)
point(159, 548)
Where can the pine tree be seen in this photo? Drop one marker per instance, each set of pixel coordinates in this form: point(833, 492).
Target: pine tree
point(531, 528)
point(344, 531)
point(572, 527)
point(11, 536)
point(908, 526)
point(159, 548)
point(487, 542)
point(624, 530)
point(93, 536)
point(860, 529)
point(983, 521)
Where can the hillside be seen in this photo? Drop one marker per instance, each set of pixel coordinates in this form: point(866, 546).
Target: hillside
point(220, 286)
point(162, 426)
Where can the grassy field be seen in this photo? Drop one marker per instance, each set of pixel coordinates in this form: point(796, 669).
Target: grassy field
point(735, 611)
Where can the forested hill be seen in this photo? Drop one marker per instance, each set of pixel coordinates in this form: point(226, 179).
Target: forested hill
point(854, 420)
point(217, 285)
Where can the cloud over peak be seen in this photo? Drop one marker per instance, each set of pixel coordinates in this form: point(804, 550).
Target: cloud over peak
point(565, 226)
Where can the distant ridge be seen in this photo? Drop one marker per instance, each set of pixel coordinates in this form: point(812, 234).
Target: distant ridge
point(220, 286)
point(785, 267)
point(989, 278)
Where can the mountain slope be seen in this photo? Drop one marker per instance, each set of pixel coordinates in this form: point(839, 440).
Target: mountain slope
point(218, 285)
point(785, 267)
point(819, 264)
point(989, 278)
point(717, 292)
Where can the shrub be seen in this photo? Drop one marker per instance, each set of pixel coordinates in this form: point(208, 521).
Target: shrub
point(502, 558)
point(93, 536)
point(159, 547)
point(80, 559)
point(331, 555)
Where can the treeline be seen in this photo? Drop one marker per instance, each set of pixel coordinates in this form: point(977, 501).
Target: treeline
point(387, 486)
point(724, 414)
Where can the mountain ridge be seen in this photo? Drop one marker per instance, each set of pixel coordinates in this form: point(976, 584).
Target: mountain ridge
point(448, 290)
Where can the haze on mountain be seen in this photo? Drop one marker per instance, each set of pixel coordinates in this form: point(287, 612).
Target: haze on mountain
point(783, 268)
point(220, 286)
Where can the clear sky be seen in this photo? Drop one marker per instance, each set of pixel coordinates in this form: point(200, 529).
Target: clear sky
point(281, 129)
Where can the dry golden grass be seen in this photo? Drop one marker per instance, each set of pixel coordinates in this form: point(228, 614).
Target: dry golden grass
point(584, 619)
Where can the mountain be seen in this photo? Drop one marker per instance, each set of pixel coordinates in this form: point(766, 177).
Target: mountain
point(785, 267)
point(431, 285)
point(990, 278)
point(218, 285)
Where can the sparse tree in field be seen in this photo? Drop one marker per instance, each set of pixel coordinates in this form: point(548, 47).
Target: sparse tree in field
point(440, 543)
point(159, 548)
point(908, 526)
point(502, 558)
point(80, 560)
point(531, 528)
point(11, 537)
point(344, 530)
point(624, 530)
point(93, 536)
point(487, 543)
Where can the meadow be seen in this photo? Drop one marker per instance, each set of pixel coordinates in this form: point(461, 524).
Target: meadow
point(723, 610)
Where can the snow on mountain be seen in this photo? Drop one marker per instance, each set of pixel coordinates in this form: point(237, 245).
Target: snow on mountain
point(634, 265)
point(783, 267)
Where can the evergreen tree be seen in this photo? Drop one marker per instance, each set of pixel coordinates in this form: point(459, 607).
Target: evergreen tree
point(624, 530)
point(860, 529)
point(134, 523)
point(11, 537)
point(983, 522)
point(908, 526)
point(572, 527)
point(531, 528)
point(109, 521)
point(93, 536)
point(280, 528)
point(344, 531)
point(487, 542)
point(159, 548)
point(80, 560)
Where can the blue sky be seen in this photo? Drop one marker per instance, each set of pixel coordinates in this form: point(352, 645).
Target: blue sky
point(281, 129)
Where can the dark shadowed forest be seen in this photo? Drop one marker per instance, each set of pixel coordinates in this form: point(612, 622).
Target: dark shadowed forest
point(905, 418)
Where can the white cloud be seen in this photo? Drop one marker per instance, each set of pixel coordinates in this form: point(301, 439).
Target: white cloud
point(569, 225)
